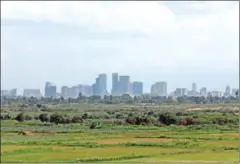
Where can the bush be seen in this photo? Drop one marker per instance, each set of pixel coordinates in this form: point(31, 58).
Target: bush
point(5, 117)
point(44, 117)
point(188, 121)
point(85, 116)
point(27, 117)
point(77, 119)
point(167, 119)
point(119, 116)
point(94, 125)
point(56, 118)
point(138, 121)
point(20, 117)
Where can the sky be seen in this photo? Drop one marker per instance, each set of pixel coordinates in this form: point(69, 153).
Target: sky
point(70, 43)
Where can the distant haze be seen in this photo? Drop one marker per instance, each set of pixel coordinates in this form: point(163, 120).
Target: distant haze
point(70, 43)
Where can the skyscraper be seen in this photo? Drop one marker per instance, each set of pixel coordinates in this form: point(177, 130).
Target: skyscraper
point(178, 92)
point(114, 84)
point(227, 92)
point(32, 93)
point(96, 87)
point(124, 85)
point(50, 90)
point(184, 92)
point(47, 86)
point(93, 89)
point(100, 87)
point(203, 92)
point(194, 89)
point(159, 88)
point(9, 93)
point(153, 90)
point(85, 90)
point(137, 88)
point(64, 91)
point(102, 84)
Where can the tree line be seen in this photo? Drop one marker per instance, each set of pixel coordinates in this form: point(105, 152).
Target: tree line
point(149, 118)
point(126, 99)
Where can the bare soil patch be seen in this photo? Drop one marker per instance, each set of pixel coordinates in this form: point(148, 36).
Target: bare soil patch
point(123, 140)
point(236, 108)
point(28, 133)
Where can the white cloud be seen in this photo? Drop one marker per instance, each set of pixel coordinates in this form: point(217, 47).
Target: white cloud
point(173, 42)
point(144, 16)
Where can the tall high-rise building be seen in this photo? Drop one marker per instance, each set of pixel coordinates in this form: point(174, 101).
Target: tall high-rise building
point(124, 85)
point(75, 91)
point(137, 88)
point(114, 84)
point(102, 84)
point(203, 92)
point(64, 91)
point(153, 90)
point(227, 92)
point(85, 90)
point(194, 89)
point(100, 87)
point(97, 86)
point(159, 88)
point(93, 89)
point(184, 92)
point(50, 90)
point(178, 92)
point(9, 93)
point(32, 93)
point(47, 86)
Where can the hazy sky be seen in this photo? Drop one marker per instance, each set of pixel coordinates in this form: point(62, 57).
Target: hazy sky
point(70, 43)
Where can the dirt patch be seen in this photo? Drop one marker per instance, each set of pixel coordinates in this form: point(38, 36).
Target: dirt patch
point(26, 133)
point(47, 133)
point(5, 148)
point(123, 140)
point(216, 108)
point(226, 134)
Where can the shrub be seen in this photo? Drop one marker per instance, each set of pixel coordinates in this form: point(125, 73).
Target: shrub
point(119, 116)
point(94, 125)
point(20, 117)
point(77, 119)
point(56, 118)
point(27, 117)
point(138, 120)
point(167, 119)
point(85, 116)
point(5, 117)
point(44, 117)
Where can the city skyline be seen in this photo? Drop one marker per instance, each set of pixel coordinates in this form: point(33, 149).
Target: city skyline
point(135, 87)
point(177, 42)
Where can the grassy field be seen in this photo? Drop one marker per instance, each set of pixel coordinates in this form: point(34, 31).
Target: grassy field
point(157, 145)
point(118, 143)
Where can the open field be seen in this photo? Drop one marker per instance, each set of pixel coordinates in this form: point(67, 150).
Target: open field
point(104, 145)
point(120, 143)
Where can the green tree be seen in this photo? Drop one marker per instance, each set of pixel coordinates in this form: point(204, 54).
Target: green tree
point(77, 119)
point(44, 117)
point(56, 118)
point(20, 117)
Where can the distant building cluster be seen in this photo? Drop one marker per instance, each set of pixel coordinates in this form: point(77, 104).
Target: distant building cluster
point(121, 84)
point(9, 93)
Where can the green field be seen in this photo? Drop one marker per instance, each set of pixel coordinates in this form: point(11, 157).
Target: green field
point(118, 143)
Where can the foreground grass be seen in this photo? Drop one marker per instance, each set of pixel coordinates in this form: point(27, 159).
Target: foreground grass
point(119, 146)
point(118, 143)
